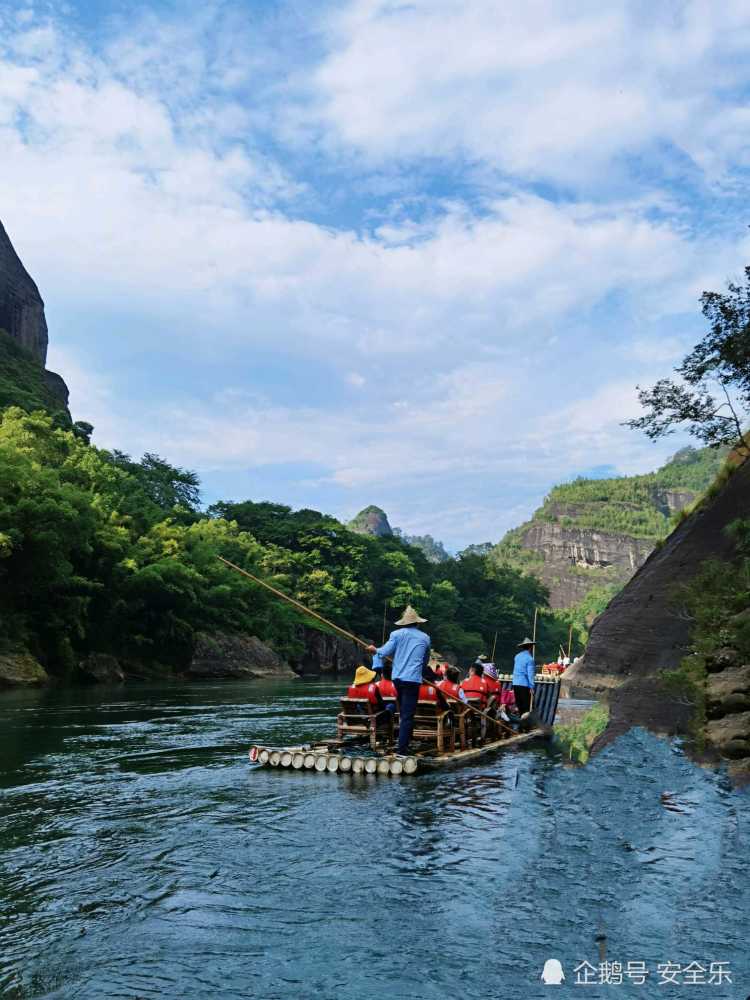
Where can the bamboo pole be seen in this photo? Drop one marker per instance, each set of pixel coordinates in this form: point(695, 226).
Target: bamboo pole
point(531, 693)
point(297, 604)
point(494, 647)
point(348, 635)
point(570, 639)
point(385, 606)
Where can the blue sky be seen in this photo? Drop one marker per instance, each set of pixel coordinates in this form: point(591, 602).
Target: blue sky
point(413, 254)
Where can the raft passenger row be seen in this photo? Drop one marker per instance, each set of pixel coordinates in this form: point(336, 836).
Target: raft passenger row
point(407, 697)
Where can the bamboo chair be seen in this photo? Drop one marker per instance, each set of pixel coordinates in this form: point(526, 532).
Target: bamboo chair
point(476, 725)
point(432, 721)
point(463, 724)
point(359, 717)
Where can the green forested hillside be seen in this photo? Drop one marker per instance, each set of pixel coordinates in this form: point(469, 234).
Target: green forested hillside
point(632, 505)
point(22, 381)
point(99, 553)
point(628, 505)
point(633, 512)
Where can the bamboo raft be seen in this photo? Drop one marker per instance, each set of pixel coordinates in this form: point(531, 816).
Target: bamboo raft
point(344, 756)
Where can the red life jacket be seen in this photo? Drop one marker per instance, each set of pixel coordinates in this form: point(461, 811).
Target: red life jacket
point(387, 688)
point(427, 692)
point(475, 687)
point(368, 691)
point(493, 686)
point(450, 687)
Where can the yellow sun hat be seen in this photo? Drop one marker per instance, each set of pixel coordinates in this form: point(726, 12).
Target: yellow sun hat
point(364, 676)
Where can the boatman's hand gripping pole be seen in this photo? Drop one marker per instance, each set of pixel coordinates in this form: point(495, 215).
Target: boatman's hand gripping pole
point(349, 635)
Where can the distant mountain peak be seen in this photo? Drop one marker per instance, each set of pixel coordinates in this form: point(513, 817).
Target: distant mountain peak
point(371, 521)
point(431, 548)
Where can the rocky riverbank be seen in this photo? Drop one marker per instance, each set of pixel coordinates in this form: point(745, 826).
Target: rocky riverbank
point(216, 656)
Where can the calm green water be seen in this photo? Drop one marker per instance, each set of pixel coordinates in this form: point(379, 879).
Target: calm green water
point(142, 857)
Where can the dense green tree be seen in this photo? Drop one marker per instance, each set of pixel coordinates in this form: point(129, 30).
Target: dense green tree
point(489, 599)
point(55, 531)
point(711, 394)
point(166, 485)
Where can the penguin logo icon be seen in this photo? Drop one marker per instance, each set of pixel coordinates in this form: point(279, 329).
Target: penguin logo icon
point(552, 974)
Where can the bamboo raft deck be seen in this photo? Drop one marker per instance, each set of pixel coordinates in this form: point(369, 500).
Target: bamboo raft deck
point(326, 758)
point(341, 756)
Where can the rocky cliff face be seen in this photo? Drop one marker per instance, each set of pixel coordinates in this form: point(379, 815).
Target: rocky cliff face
point(371, 521)
point(670, 502)
point(573, 560)
point(327, 654)
point(642, 633)
point(595, 533)
point(22, 313)
point(21, 306)
point(238, 657)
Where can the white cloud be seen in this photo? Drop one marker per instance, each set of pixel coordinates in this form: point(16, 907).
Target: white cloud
point(664, 351)
point(188, 223)
point(542, 89)
point(137, 186)
point(451, 460)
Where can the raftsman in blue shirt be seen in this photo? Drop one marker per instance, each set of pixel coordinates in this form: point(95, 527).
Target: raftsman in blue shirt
point(410, 649)
point(524, 669)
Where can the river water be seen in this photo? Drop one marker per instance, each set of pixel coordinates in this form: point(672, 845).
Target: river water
point(143, 857)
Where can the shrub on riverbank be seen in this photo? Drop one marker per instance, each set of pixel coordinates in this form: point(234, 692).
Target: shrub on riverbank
point(576, 739)
point(717, 602)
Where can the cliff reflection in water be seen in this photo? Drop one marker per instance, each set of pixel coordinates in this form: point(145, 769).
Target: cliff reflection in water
point(143, 857)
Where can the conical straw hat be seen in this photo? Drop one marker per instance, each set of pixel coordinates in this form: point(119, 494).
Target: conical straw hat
point(410, 617)
point(364, 676)
point(527, 642)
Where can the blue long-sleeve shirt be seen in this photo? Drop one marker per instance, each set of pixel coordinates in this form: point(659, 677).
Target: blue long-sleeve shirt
point(377, 661)
point(410, 650)
point(524, 669)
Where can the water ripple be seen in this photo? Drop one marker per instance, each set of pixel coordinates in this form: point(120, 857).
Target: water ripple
point(142, 857)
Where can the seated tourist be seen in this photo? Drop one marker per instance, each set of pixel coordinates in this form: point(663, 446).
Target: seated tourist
point(428, 692)
point(507, 698)
point(363, 687)
point(450, 684)
point(494, 687)
point(387, 688)
point(475, 686)
point(508, 709)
